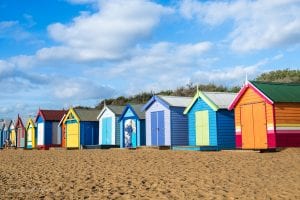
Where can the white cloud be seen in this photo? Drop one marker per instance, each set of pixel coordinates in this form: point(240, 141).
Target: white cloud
point(257, 24)
point(109, 33)
point(162, 66)
point(80, 89)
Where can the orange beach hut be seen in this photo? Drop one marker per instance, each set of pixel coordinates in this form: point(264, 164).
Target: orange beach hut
point(267, 115)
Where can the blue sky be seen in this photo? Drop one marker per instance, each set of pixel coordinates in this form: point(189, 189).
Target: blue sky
point(60, 53)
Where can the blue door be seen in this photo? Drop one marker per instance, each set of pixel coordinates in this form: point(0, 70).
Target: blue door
point(106, 130)
point(157, 128)
point(154, 128)
point(161, 128)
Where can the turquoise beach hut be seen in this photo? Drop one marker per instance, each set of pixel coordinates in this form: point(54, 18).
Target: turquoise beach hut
point(210, 123)
point(132, 127)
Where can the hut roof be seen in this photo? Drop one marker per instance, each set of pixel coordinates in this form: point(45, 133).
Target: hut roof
point(51, 115)
point(279, 92)
point(216, 100)
point(136, 109)
point(169, 101)
point(176, 101)
point(87, 114)
point(116, 109)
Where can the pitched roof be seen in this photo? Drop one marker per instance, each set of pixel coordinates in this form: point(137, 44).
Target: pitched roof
point(221, 99)
point(215, 100)
point(116, 109)
point(87, 114)
point(168, 101)
point(19, 122)
point(7, 123)
point(279, 92)
point(52, 115)
point(136, 109)
point(176, 101)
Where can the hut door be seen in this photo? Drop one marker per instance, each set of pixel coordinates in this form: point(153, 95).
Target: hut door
point(157, 128)
point(106, 130)
point(72, 134)
point(253, 123)
point(40, 133)
point(130, 131)
point(29, 138)
point(202, 128)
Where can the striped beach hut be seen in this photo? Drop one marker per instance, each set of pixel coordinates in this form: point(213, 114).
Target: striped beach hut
point(267, 115)
point(31, 136)
point(5, 125)
point(166, 125)
point(132, 127)
point(20, 131)
point(12, 134)
point(47, 122)
point(210, 123)
point(81, 127)
point(109, 125)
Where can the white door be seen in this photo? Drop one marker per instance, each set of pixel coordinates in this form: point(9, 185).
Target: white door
point(41, 127)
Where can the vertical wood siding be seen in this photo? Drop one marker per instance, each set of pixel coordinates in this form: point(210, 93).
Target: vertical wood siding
point(287, 117)
point(226, 131)
point(179, 127)
point(116, 133)
point(108, 113)
point(200, 105)
point(156, 106)
point(89, 133)
point(251, 97)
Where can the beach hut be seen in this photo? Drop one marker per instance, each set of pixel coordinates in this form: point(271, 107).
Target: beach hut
point(30, 134)
point(132, 127)
point(61, 129)
point(267, 115)
point(165, 123)
point(109, 125)
point(2, 125)
point(47, 122)
point(5, 124)
point(12, 134)
point(81, 127)
point(20, 132)
point(210, 123)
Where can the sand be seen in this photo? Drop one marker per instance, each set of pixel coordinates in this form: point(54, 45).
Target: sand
point(149, 174)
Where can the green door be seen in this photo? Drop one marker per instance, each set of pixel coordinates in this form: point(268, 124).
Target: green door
point(202, 128)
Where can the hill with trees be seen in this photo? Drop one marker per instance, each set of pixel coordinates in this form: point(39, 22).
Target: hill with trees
point(285, 75)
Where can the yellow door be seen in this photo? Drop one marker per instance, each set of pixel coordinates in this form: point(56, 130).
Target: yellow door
point(202, 128)
point(72, 135)
point(247, 127)
point(13, 138)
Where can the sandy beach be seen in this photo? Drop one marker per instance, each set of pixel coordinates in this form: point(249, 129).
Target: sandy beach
point(149, 174)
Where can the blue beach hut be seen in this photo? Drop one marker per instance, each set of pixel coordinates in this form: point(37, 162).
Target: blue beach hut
point(165, 123)
point(210, 123)
point(132, 127)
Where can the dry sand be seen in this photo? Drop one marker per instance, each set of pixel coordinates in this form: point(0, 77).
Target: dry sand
point(149, 174)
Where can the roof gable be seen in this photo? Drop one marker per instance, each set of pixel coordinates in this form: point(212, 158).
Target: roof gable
point(136, 109)
point(30, 122)
point(215, 100)
point(116, 110)
point(19, 122)
point(71, 113)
